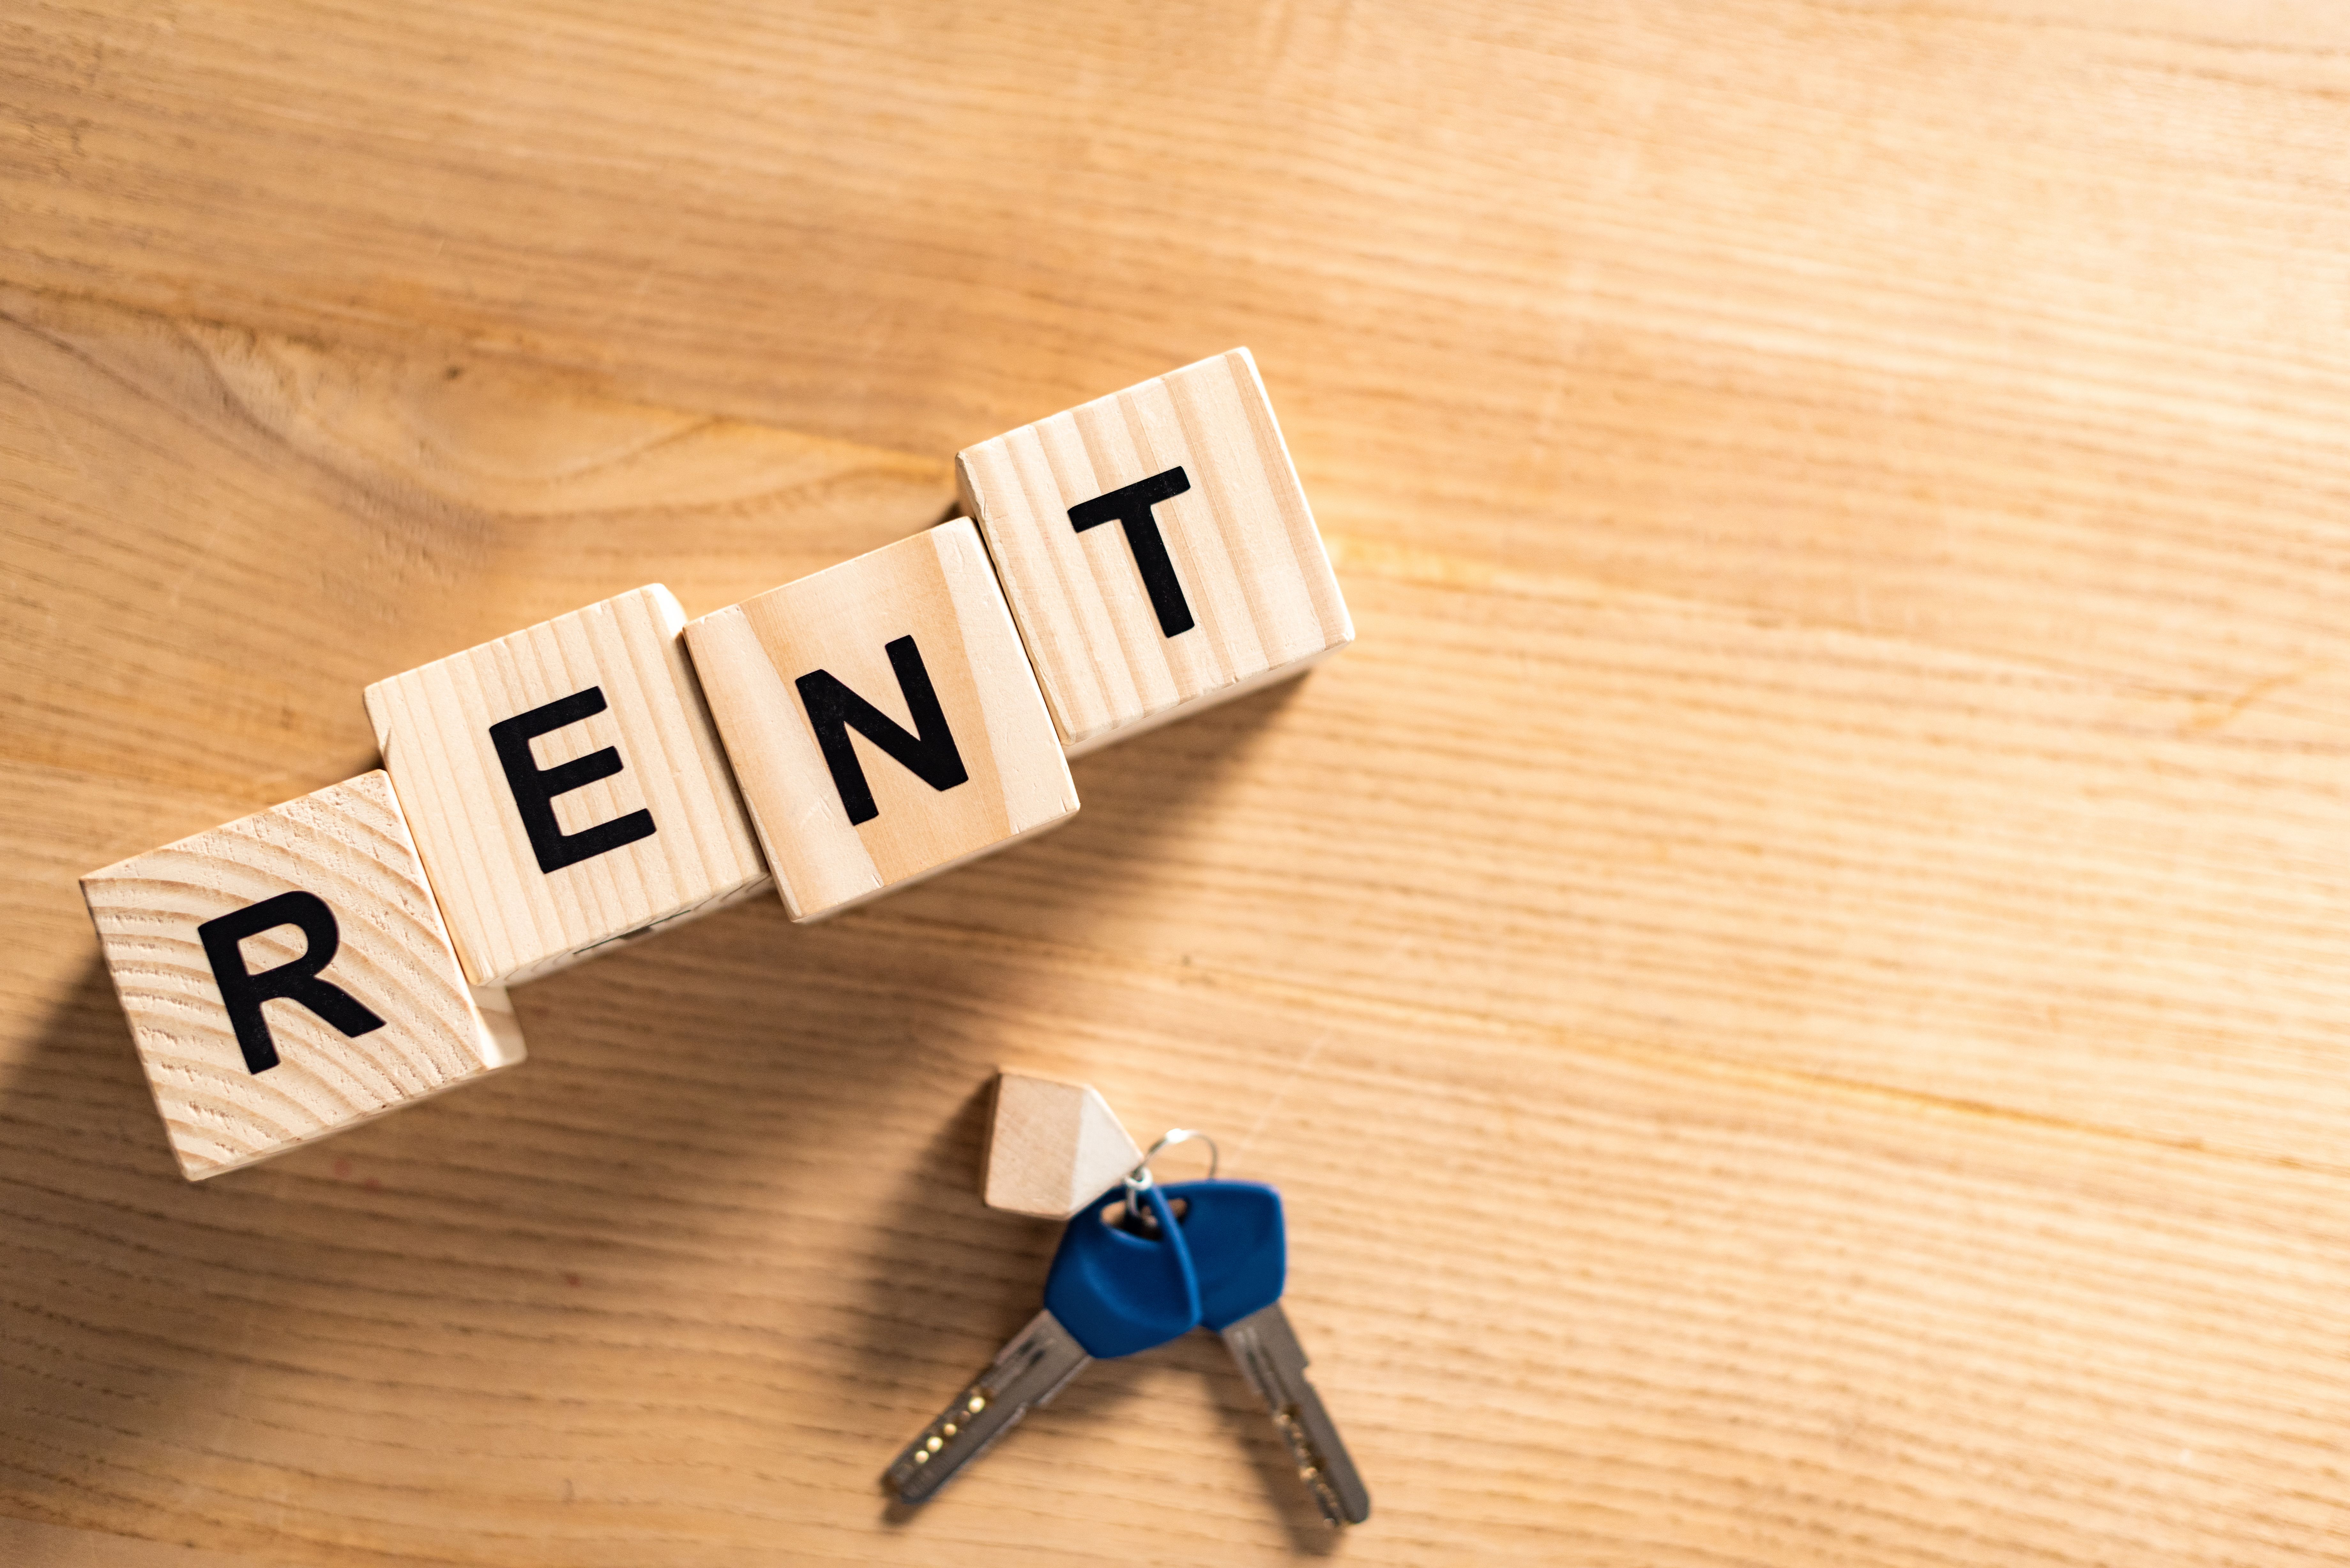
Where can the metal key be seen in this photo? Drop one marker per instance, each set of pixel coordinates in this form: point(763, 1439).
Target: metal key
point(1110, 1292)
point(1240, 1251)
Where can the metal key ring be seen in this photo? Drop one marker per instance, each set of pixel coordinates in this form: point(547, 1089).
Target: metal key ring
point(1138, 1181)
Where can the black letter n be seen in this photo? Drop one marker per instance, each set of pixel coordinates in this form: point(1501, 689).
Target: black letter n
point(929, 754)
point(243, 992)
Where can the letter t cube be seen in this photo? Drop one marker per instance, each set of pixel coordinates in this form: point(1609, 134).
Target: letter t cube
point(565, 788)
point(1156, 550)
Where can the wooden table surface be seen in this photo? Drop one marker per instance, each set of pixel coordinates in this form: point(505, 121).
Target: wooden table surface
point(1796, 980)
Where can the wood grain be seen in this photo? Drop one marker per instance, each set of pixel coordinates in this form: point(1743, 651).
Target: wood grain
point(2002, 326)
point(55, 1547)
point(1792, 980)
point(938, 590)
point(513, 918)
point(423, 1029)
point(1258, 603)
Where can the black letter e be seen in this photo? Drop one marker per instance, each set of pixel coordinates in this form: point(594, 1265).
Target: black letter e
point(535, 788)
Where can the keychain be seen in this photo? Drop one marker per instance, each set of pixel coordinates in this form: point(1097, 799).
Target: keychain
point(1205, 1252)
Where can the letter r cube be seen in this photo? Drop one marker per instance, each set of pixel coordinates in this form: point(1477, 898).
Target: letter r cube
point(566, 787)
point(287, 976)
point(1156, 550)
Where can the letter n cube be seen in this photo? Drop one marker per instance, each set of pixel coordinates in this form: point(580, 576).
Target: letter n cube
point(883, 720)
point(565, 788)
point(1156, 550)
point(287, 976)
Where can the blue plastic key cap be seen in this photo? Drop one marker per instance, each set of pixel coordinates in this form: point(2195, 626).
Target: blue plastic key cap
point(1240, 1251)
point(1117, 1293)
point(1110, 1292)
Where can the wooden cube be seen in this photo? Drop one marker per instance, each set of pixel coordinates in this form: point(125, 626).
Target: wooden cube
point(566, 787)
point(883, 720)
point(287, 976)
point(1052, 1147)
point(1156, 550)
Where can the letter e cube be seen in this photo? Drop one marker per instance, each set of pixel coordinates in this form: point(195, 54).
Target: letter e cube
point(566, 787)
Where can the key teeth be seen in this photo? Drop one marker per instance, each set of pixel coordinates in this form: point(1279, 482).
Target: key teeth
point(1273, 1363)
point(1032, 1367)
point(1309, 1467)
point(915, 1458)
